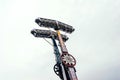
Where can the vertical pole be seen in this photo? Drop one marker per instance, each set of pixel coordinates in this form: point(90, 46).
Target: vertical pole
point(71, 70)
point(57, 54)
point(62, 45)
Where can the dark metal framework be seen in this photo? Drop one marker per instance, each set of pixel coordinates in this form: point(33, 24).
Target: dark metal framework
point(49, 23)
point(65, 62)
point(47, 34)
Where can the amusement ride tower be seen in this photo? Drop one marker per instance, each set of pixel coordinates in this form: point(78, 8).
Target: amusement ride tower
point(65, 62)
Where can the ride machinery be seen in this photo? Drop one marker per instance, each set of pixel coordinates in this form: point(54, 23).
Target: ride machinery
point(65, 62)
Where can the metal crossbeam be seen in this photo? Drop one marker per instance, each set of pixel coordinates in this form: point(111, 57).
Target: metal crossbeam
point(47, 34)
point(57, 25)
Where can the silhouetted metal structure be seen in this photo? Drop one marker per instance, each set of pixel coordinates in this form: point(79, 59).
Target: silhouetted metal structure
point(49, 23)
point(65, 62)
point(47, 34)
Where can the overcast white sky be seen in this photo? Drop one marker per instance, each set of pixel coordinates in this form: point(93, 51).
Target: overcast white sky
point(95, 43)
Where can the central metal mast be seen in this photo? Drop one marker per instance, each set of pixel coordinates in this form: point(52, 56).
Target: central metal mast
point(59, 67)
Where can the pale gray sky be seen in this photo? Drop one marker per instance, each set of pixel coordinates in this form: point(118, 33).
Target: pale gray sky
point(95, 43)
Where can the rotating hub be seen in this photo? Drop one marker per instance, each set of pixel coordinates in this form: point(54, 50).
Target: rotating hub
point(68, 60)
